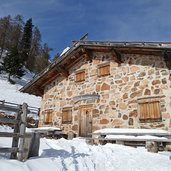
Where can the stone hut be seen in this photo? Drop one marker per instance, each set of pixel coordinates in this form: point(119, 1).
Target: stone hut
point(98, 85)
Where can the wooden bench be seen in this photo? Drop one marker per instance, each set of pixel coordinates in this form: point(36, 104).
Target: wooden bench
point(49, 132)
point(152, 140)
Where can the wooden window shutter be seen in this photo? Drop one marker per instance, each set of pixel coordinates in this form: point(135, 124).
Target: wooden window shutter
point(48, 117)
point(80, 76)
point(104, 70)
point(149, 110)
point(64, 116)
point(67, 116)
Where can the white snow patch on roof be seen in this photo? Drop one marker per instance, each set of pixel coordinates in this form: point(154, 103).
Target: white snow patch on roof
point(65, 50)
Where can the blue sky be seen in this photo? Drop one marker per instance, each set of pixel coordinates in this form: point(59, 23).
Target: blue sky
point(61, 21)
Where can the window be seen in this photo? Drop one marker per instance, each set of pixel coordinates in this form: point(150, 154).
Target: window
point(149, 110)
point(48, 116)
point(80, 76)
point(104, 70)
point(67, 115)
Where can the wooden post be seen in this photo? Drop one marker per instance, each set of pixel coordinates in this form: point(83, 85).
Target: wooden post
point(16, 130)
point(34, 146)
point(120, 142)
point(152, 146)
point(21, 154)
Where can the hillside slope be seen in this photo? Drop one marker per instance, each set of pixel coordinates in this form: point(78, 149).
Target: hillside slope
point(11, 93)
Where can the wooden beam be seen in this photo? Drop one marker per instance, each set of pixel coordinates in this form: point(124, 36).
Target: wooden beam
point(87, 54)
point(15, 140)
point(63, 71)
point(167, 57)
point(9, 150)
point(116, 55)
point(8, 108)
point(8, 120)
point(39, 90)
point(21, 154)
point(48, 79)
point(11, 134)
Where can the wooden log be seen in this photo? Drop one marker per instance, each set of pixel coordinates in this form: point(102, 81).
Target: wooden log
point(8, 108)
point(27, 145)
point(9, 150)
point(8, 120)
point(133, 139)
point(11, 134)
point(71, 135)
point(90, 141)
point(120, 142)
point(22, 155)
point(34, 145)
point(16, 131)
point(135, 134)
point(152, 146)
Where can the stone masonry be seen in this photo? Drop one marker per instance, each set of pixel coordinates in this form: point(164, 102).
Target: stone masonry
point(138, 76)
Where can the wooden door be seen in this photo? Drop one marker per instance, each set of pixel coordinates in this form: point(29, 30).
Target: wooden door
point(85, 121)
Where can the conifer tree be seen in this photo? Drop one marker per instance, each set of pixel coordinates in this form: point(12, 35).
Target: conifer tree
point(35, 49)
point(12, 64)
point(4, 30)
point(17, 30)
point(26, 40)
point(42, 60)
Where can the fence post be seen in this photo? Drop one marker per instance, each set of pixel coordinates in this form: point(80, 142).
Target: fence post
point(21, 154)
point(16, 130)
point(34, 145)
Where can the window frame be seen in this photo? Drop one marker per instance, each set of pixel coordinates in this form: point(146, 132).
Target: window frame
point(148, 102)
point(103, 66)
point(68, 111)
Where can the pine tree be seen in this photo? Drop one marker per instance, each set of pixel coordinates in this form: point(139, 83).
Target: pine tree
point(4, 32)
point(12, 64)
point(42, 60)
point(17, 30)
point(26, 40)
point(35, 49)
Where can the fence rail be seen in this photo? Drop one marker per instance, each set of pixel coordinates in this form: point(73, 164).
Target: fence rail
point(13, 107)
point(21, 141)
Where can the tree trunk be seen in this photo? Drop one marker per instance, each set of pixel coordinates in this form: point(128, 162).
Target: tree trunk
point(9, 77)
point(2, 49)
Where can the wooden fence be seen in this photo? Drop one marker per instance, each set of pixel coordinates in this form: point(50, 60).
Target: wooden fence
point(13, 107)
point(22, 142)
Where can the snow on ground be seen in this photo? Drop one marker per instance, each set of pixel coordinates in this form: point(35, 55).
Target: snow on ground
point(5, 128)
point(11, 93)
point(76, 155)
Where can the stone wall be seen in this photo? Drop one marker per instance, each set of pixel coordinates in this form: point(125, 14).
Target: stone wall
point(136, 77)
